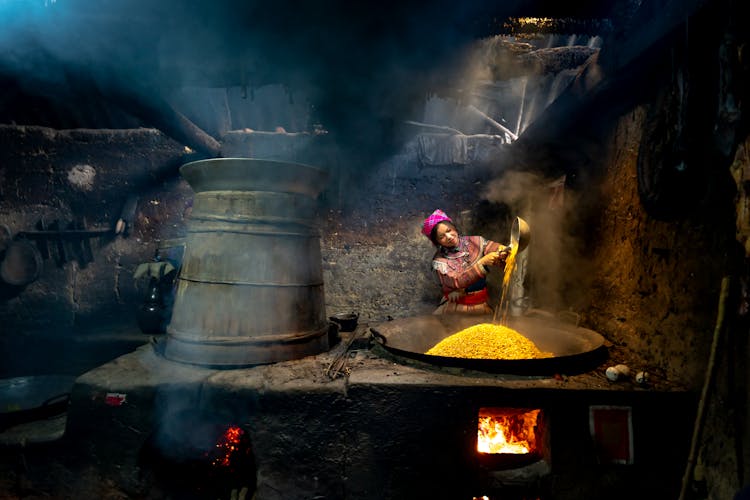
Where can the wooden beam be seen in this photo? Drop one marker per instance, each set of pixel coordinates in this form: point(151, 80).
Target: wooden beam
point(155, 112)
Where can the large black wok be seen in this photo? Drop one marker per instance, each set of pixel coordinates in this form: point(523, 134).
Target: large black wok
point(31, 398)
point(575, 349)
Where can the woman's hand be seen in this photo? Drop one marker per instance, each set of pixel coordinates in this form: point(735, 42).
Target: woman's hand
point(492, 259)
point(504, 252)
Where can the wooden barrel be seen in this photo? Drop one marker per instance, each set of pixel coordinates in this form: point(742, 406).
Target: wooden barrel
point(250, 288)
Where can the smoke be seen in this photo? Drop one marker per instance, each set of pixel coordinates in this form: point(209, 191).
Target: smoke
point(513, 188)
point(364, 67)
point(556, 255)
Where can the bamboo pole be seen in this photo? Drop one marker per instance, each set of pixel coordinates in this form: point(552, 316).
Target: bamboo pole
point(707, 382)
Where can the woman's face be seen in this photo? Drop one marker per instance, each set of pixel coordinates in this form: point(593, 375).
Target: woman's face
point(446, 235)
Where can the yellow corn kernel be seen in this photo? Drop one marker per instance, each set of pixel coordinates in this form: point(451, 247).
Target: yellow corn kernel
point(487, 341)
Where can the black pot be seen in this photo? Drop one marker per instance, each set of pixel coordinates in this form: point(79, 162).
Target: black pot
point(333, 334)
point(152, 314)
point(347, 321)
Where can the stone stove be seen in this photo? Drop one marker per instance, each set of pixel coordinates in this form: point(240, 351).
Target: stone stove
point(378, 427)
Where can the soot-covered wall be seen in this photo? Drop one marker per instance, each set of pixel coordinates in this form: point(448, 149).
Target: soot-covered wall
point(68, 179)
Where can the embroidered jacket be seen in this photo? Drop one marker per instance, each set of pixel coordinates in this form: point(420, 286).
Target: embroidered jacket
point(457, 268)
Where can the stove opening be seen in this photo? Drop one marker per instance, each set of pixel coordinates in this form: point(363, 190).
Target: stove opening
point(195, 457)
point(510, 436)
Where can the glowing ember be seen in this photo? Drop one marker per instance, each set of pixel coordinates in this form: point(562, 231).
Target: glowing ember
point(227, 445)
point(507, 431)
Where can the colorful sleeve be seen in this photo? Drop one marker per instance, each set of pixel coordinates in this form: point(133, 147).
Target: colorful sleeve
point(455, 279)
point(490, 246)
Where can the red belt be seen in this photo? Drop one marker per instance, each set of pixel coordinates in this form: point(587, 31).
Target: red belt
point(473, 298)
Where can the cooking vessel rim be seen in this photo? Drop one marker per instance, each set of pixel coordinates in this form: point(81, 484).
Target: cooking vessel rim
point(579, 361)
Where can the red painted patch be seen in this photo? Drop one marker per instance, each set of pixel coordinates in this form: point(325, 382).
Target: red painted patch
point(115, 399)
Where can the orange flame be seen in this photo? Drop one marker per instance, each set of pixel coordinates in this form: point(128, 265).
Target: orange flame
point(228, 444)
point(507, 431)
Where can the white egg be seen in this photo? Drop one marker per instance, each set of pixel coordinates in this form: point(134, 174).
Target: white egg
point(623, 369)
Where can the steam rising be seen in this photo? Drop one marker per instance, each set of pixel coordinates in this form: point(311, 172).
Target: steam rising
point(362, 66)
point(551, 213)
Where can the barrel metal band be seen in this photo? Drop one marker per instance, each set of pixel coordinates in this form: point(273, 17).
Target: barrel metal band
point(242, 219)
point(284, 338)
point(215, 225)
point(249, 283)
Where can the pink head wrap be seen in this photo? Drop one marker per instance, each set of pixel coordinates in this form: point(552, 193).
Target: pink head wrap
point(433, 220)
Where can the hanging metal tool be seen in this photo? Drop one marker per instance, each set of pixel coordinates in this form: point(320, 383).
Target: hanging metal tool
point(64, 241)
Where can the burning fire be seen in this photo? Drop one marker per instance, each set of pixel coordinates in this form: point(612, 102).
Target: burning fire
point(228, 443)
point(507, 431)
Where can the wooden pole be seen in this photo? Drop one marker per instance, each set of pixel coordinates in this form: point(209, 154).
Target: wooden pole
point(492, 122)
point(707, 383)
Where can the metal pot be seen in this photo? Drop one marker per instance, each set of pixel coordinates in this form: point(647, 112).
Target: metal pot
point(347, 321)
point(238, 302)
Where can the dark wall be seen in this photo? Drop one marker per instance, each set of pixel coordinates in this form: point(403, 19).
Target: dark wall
point(81, 179)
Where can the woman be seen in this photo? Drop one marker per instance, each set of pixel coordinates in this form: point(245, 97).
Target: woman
point(462, 264)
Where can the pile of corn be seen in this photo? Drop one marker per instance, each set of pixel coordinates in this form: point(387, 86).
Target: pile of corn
point(487, 341)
